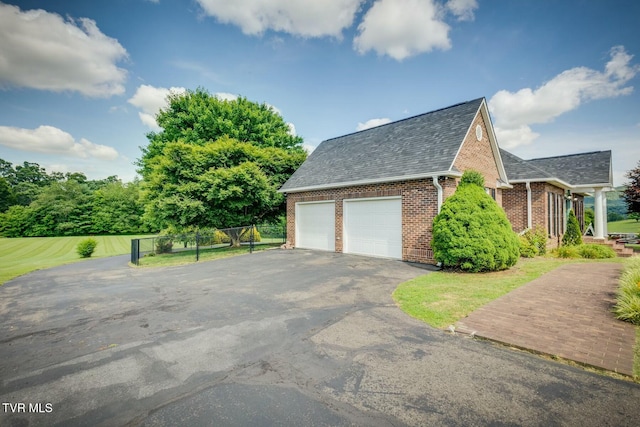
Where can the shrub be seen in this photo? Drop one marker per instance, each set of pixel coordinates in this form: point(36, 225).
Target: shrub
point(245, 237)
point(164, 244)
point(472, 232)
point(566, 252)
point(589, 251)
point(533, 242)
point(628, 301)
point(527, 249)
point(572, 236)
point(593, 251)
point(86, 247)
point(472, 177)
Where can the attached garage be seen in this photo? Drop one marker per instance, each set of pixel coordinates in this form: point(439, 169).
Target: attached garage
point(315, 225)
point(373, 227)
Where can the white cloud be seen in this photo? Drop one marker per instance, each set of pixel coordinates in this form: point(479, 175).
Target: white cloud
point(372, 123)
point(224, 96)
point(307, 18)
point(514, 113)
point(51, 140)
point(403, 28)
point(150, 100)
point(41, 50)
point(462, 9)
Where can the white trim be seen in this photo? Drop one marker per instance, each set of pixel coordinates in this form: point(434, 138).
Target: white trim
point(370, 181)
point(529, 206)
point(493, 142)
point(439, 189)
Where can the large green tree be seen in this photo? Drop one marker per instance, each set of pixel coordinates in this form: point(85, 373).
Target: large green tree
point(217, 163)
point(631, 194)
point(221, 184)
point(117, 209)
point(197, 117)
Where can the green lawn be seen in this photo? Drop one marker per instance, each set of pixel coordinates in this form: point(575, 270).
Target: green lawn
point(442, 298)
point(624, 226)
point(22, 255)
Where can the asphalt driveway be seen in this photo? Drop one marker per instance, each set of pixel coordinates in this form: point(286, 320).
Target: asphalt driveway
point(273, 338)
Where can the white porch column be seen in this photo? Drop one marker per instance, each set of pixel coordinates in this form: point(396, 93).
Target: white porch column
point(605, 230)
point(598, 210)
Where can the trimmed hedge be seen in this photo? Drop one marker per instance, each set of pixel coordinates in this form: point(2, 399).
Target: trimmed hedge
point(472, 232)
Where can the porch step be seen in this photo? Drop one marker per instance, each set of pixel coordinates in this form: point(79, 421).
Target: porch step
point(619, 248)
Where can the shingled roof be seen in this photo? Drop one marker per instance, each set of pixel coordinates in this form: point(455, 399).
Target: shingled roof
point(419, 146)
point(574, 170)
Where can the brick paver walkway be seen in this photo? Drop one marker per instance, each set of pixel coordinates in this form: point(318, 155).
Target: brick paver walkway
point(566, 313)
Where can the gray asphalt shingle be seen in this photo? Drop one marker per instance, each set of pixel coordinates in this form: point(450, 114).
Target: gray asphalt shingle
point(418, 145)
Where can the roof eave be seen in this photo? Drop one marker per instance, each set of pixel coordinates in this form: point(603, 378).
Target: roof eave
point(370, 181)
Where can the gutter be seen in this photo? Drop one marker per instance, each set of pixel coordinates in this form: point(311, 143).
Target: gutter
point(439, 188)
point(529, 212)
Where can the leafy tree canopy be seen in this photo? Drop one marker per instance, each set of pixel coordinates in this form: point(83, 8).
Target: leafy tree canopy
point(197, 117)
point(225, 183)
point(631, 194)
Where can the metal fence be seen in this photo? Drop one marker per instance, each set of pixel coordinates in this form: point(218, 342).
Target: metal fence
point(192, 246)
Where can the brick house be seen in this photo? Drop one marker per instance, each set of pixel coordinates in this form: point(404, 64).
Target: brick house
point(376, 192)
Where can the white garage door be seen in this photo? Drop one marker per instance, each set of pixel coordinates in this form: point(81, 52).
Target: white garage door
point(315, 225)
point(373, 227)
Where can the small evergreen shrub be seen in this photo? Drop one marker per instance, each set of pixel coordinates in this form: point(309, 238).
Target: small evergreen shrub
point(86, 247)
point(472, 232)
point(572, 237)
point(628, 301)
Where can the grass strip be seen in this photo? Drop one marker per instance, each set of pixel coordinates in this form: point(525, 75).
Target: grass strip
point(19, 256)
point(442, 298)
point(189, 256)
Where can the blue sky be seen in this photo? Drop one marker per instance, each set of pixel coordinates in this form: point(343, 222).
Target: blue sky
point(80, 81)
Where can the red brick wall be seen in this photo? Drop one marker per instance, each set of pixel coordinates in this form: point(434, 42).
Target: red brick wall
point(419, 197)
point(419, 206)
point(478, 155)
point(514, 203)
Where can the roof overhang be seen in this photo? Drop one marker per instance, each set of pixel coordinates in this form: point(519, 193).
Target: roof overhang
point(371, 181)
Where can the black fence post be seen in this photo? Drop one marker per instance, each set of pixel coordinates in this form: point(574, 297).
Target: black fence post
point(251, 239)
point(197, 246)
point(135, 251)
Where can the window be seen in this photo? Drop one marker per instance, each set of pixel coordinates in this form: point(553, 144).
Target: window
point(491, 192)
point(555, 214)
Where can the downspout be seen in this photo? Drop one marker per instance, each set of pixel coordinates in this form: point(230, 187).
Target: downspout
point(529, 209)
point(439, 189)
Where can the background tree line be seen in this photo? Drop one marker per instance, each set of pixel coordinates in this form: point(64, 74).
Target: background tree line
point(36, 203)
point(214, 164)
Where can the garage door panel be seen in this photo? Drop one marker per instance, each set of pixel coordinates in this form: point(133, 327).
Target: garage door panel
point(373, 227)
point(315, 226)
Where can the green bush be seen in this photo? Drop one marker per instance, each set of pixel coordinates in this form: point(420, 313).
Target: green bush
point(533, 242)
point(572, 237)
point(566, 252)
point(164, 244)
point(527, 249)
point(472, 177)
point(86, 247)
point(472, 232)
point(628, 301)
point(593, 251)
point(588, 251)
